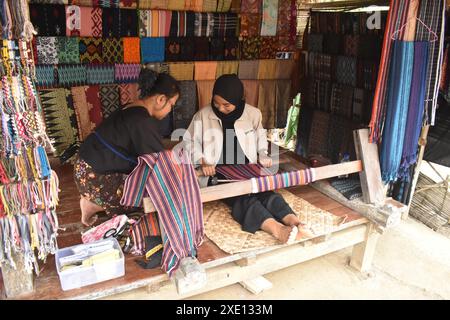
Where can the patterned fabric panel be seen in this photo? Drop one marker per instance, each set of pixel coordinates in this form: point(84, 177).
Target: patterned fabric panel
point(91, 50)
point(84, 21)
point(72, 75)
point(126, 73)
point(100, 74)
point(110, 99)
point(47, 50)
point(113, 51)
point(68, 50)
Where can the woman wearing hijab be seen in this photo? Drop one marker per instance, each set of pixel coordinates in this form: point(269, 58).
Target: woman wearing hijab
point(110, 153)
point(229, 132)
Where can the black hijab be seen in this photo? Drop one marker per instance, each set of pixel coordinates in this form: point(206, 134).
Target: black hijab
point(230, 88)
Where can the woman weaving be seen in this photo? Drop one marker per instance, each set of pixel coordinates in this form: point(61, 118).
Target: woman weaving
point(111, 151)
point(230, 132)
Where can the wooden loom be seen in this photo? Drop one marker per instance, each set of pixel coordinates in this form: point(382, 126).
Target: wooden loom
point(361, 230)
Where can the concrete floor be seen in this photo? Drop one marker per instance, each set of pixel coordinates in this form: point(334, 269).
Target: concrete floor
point(411, 262)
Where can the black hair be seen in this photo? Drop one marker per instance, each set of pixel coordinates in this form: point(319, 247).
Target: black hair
point(151, 83)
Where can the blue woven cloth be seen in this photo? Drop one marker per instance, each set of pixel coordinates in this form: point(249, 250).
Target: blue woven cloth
point(152, 49)
point(100, 74)
point(71, 75)
point(399, 88)
point(45, 76)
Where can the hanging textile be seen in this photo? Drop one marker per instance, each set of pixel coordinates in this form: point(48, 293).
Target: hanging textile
point(144, 4)
point(284, 69)
point(99, 74)
point(269, 48)
point(113, 50)
point(267, 69)
point(130, 4)
point(131, 50)
point(176, 5)
point(158, 67)
point(269, 18)
point(158, 23)
point(232, 50)
point(248, 69)
point(217, 49)
point(250, 25)
point(399, 86)
point(204, 24)
point(251, 6)
point(178, 49)
point(91, 50)
point(169, 179)
point(287, 20)
point(358, 105)
point(186, 105)
point(282, 102)
point(111, 23)
point(110, 99)
point(128, 23)
point(182, 71)
point(126, 73)
point(251, 92)
point(110, 3)
point(72, 75)
point(337, 139)
point(250, 48)
point(48, 20)
point(303, 132)
point(45, 76)
point(152, 49)
point(204, 92)
point(178, 24)
point(318, 135)
point(82, 107)
point(68, 50)
point(94, 104)
point(47, 50)
point(315, 43)
point(201, 49)
point(84, 21)
point(266, 102)
point(223, 5)
point(225, 24)
point(346, 70)
point(128, 92)
point(227, 67)
point(158, 4)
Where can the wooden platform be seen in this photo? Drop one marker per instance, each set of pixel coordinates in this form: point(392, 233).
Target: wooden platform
point(216, 261)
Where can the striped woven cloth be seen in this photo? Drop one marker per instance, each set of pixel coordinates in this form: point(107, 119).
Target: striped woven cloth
point(242, 171)
point(169, 179)
point(283, 180)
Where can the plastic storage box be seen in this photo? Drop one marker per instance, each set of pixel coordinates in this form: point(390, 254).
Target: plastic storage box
point(82, 276)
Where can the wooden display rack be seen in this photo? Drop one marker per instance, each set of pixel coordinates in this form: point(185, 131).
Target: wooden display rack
point(365, 222)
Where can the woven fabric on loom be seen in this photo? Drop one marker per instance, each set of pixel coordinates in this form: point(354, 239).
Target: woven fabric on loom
point(243, 171)
point(250, 25)
point(267, 69)
point(204, 24)
point(248, 69)
point(319, 133)
point(170, 181)
point(284, 180)
point(126, 73)
point(152, 49)
point(113, 50)
point(84, 21)
point(349, 188)
point(227, 234)
point(110, 99)
point(72, 75)
point(266, 102)
point(182, 71)
point(47, 50)
point(131, 50)
point(269, 17)
point(91, 50)
point(48, 20)
point(68, 50)
point(217, 49)
point(100, 74)
point(283, 102)
point(146, 226)
point(204, 92)
point(82, 107)
point(128, 92)
point(111, 23)
point(186, 105)
point(60, 118)
point(227, 67)
point(205, 70)
point(45, 76)
point(269, 48)
point(251, 92)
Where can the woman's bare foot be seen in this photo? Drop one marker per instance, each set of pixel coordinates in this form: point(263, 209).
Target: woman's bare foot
point(291, 220)
point(304, 232)
point(285, 234)
point(88, 211)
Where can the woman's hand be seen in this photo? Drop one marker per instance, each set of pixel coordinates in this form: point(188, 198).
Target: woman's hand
point(208, 169)
point(265, 161)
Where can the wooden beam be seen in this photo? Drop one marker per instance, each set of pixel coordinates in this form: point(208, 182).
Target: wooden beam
point(370, 176)
point(232, 189)
point(363, 253)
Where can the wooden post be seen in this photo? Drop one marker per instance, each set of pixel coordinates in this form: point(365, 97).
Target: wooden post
point(364, 252)
point(17, 281)
point(422, 144)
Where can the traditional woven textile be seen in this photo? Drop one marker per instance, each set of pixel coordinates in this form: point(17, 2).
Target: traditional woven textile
point(113, 50)
point(251, 6)
point(129, 23)
point(128, 92)
point(397, 105)
point(269, 17)
point(269, 48)
point(144, 4)
point(145, 23)
point(155, 23)
point(47, 50)
point(194, 5)
point(110, 99)
point(159, 4)
point(242, 171)
point(358, 105)
point(217, 49)
point(152, 49)
point(250, 48)
point(341, 100)
point(169, 179)
point(110, 3)
point(60, 119)
point(179, 23)
point(333, 44)
point(248, 69)
point(205, 70)
point(370, 73)
point(45, 76)
point(266, 102)
point(182, 71)
point(283, 180)
point(287, 23)
point(319, 133)
point(130, 4)
point(225, 24)
point(91, 50)
point(131, 50)
point(126, 73)
point(201, 49)
point(267, 69)
point(315, 43)
point(68, 50)
point(186, 105)
point(82, 107)
point(48, 19)
point(282, 102)
point(228, 235)
point(223, 5)
point(204, 92)
point(227, 67)
point(351, 45)
point(323, 95)
point(349, 188)
point(284, 69)
point(179, 49)
point(72, 75)
point(176, 5)
point(94, 104)
point(146, 226)
point(158, 67)
point(111, 22)
point(204, 24)
point(250, 25)
point(209, 5)
point(337, 139)
point(100, 74)
point(251, 92)
point(303, 133)
point(346, 70)
point(415, 109)
point(85, 3)
point(232, 50)
point(84, 21)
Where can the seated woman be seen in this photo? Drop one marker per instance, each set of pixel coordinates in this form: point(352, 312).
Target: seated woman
point(111, 151)
point(229, 130)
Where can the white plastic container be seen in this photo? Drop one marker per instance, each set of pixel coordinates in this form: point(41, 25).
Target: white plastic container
point(83, 276)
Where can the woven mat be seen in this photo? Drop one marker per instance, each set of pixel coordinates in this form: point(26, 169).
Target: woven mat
point(227, 234)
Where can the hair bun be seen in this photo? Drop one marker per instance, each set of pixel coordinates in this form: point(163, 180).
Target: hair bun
point(147, 79)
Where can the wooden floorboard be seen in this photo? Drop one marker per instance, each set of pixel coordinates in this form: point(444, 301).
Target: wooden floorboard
point(47, 283)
